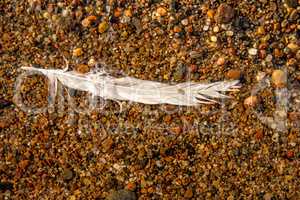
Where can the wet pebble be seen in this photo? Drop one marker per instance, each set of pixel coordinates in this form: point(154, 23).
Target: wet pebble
point(291, 3)
point(67, 174)
point(251, 101)
point(121, 195)
point(279, 78)
point(103, 26)
point(252, 51)
point(224, 14)
point(77, 52)
point(234, 74)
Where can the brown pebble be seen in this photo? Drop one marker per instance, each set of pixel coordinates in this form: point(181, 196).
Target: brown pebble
point(188, 193)
point(161, 11)
point(279, 78)
point(251, 101)
point(77, 52)
point(103, 26)
point(233, 74)
point(210, 14)
point(277, 53)
point(86, 22)
point(261, 30)
point(293, 47)
point(128, 13)
point(225, 13)
point(131, 186)
point(221, 61)
point(291, 3)
point(290, 154)
point(82, 68)
point(259, 134)
point(107, 144)
point(67, 174)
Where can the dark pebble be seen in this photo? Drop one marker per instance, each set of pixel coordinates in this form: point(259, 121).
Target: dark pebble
point(6, 186)
point(67, 174)
point(291, 3)
point(122, 195)
point(4, 103)
point(224, 14)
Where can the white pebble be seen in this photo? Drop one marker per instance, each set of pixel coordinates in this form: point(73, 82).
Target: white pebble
point(216, 29)
point(205, 28)
point(252, 51)
point(229, 33)
point(213, 38)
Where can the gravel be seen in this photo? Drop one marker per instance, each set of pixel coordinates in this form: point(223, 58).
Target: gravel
point(247, 147)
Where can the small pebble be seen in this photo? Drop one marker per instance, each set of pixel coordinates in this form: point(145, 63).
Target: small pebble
point(91, 62)
point(86, 22)
point(161, 11)
point(185, 22)
point(260, 76)
point(67, 174)
point(225, 13)
point(121, 195)
point(107, 144)
point(279, 78)
point(188, 193)
point(252, 51)
point(293, 47)
point(216, 29)
point(229, 33)
point(291, 3)
point(82, 68)
point(77, 52)
point(205, 28)
point(251, 101)
point(233, 74)
point(210, 14)
point(103, 26)
point(221, 61)
point(261, 30)
point(213, 38)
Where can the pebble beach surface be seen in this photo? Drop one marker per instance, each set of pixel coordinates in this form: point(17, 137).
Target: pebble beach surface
point(246, 147)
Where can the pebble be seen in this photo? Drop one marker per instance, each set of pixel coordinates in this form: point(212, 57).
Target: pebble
point(251, 101)
point(252, 51)
point(4, 103)
point(221, 61)
point(260, 76)
point(121, 195)
point(185, 22)
point(188, 193)
point(88, 20)
point(205, 28)
point(293, 47)
point(210, 14)
point(261, 30)
point(103, 26)
point(107, 144)
point(82, 68)
point(67, 174)
point(91, 62)
point(225, 13)
point(291, 3)
point(229, 33)
point(128, 13)
point(279, 78)
point(77, 52)
point(234, 74)
point(216, 29)
point(213, 38)
point(161, 11)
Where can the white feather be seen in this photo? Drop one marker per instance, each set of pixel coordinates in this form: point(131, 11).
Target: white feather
point(142, 91)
